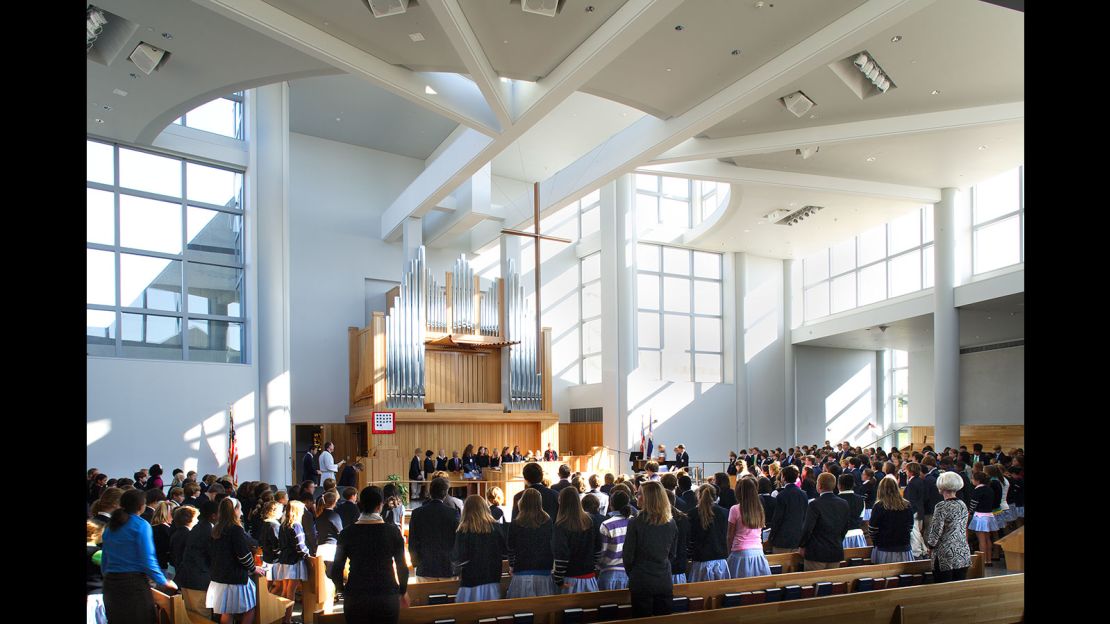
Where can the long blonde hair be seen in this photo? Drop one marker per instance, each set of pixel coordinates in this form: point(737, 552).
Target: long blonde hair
point(530, 513)
point(751, 508)
point(162, 513)
point(476, 517)
point(889, 495)
point(293, 513)
point(657, 509)
point(706, 494)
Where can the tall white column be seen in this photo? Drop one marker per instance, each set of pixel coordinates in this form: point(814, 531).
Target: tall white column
point(946, 323)
point(742, 425)
point(412, 236)
point(790, 422)
point(269, 140)
point(625, 237)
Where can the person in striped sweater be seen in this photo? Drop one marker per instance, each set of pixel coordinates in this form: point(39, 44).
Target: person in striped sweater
point(613, 575)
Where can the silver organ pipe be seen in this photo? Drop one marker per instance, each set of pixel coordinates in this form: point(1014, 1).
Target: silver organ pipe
point(525, 386)
point(406, 325)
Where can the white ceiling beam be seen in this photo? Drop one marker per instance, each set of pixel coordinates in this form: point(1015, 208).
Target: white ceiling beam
point(456, 97)
point(718, 171)
point(454, 23)
point(770, 142)
point(634, 19)
point(637, 144)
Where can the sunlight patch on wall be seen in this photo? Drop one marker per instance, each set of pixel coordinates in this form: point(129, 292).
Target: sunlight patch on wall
point(277, 393)
point(96, 430)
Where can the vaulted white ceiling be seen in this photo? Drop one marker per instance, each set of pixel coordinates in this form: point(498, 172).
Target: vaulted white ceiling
point(713, 111)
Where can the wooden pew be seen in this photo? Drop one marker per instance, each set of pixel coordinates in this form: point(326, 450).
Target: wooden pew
point(995, 600)
point(412, 572)
point(171, 610)
point(271, 607)
point(710, 593)
point(318, 592)
point(1014, 547)
point(790, 562)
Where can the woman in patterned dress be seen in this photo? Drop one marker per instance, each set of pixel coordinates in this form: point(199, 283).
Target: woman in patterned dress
point(947, 536)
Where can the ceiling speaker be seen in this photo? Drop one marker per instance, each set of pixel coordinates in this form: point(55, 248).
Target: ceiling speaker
point(385, 8)
point(541, 7)
point(147, 57)
point(798, 103)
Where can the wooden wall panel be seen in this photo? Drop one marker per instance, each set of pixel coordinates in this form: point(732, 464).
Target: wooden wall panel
point(390, 454)
point(1008, 436)
point(579, 438)
point(462, 377)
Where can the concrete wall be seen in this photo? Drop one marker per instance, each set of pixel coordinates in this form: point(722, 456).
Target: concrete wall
point(141, 412)
point(992, 387)
point(838, 394)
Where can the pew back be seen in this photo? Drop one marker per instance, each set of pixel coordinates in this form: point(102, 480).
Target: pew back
point(171, 610)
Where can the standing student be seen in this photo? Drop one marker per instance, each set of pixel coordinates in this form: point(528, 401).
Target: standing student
point(376, 587)
point(709, 542)
point(416, 475)
point(790, 512)
point(432, 534)
point(349, 476)
point(528, 540)
point(393, 509)
point(441, 461)
point(496, 499)
point(183, 520)
point(649, 547)
point(533, 474)
point(291, 568)
point(854, 537)
point(194, 574)
point(868, 489)
point(613, 533)
point(595, 489)
point(947, 536)
point(982, 520)
point(309, 471)
point(915, 492)
point(478, 551)
point(127, 561)
point(1001, 487)
point(94, 579)
point(231, 592)
point(268, 540)
point(680, 559)
point(347, 507)
point(745, 532)
point(827, 521)
point(890, 525)
point(161, 527)
point(726, 495)
point(328, 527)
point(575, 545)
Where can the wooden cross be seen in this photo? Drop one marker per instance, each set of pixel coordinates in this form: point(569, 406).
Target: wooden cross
point(537, 237)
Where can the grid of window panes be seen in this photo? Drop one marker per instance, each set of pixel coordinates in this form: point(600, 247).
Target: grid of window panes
point(898, 407)
point(223, 116)
point(669, 203)
point(886, 261)
point(589, 317)
point(164, 257)
point(998, 222)
point(679, 302)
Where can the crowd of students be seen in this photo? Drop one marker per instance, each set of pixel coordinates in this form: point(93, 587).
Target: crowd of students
point(645, 533)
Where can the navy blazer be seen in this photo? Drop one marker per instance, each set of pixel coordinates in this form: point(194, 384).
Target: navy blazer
point(431, 537)
point(828, 518)
point(789, 518)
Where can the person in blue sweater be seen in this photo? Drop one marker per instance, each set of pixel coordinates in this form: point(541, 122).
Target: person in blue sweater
point(128, 561)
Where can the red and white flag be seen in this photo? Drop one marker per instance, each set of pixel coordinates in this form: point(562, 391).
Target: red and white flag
point(232, 451)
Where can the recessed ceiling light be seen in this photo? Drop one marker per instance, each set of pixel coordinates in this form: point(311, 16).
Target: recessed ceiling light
point(338, 119)
point(416, 36)
point(505, 41)
point(133, 75)
point(870, 159)
point(106, 107)
point(982, 147)
point(429, 90)
point(747, 231)
point(99, 120)
point(590, 8)
point(668, 69)
point(167, 35)
point(934, 92)
point(680, 27)
point(896, 38)
point(735, 52)
point(120, 92)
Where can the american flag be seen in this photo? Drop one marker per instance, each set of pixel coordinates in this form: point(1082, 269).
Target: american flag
point(232, 452)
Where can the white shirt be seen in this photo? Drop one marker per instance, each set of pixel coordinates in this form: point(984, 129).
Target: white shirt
point(328, 467)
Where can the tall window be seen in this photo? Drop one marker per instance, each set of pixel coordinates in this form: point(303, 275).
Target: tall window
point(589, 276)
point(998, 222)
point(164, 257)
point(223, 116)
point(899, 406)
point(679, 313)
point(675, 203)
point(887, 261)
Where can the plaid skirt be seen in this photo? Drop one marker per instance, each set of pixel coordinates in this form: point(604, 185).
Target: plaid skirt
point(225, 598)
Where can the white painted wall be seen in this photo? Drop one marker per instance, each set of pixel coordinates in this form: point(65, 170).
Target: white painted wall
point(764, 351)
point(141, 412)
point(992, 387)
point(833, 381)
point(921, 401)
